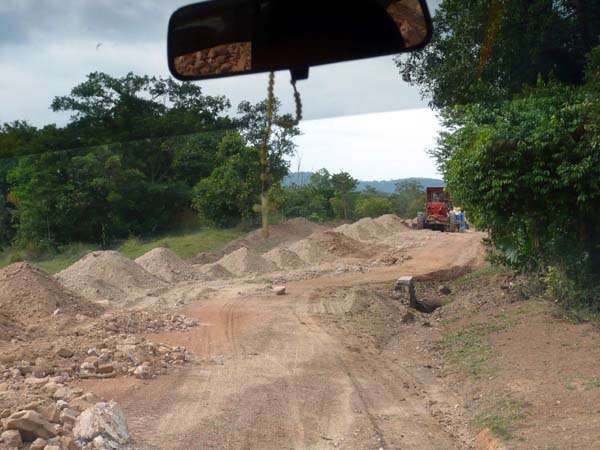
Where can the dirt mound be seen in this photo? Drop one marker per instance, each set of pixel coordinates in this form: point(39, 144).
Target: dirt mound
point(165, 264)
point(108, 276)
point(392, 223)
point(215, 271)
point(311, 252)
point(344, 246)
point(366, 229)
point(28, 293)
point(244, 261)
point(286, 232)
point(284, 258)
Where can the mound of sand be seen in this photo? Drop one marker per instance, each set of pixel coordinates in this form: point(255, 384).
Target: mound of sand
point(215, 271)
point(28, 293)
point(392, 223)
point(283, 233)
point(311, 252)
point(284, 258)
point(341, 245)
point(108, 276)
point(244, 261)
point(366, 229)
point(165, 264)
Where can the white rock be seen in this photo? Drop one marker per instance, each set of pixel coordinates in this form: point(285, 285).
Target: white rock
point(12, 439)
point(105, 420)
point(279, 290)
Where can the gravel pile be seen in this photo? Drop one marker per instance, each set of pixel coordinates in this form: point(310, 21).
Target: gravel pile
point(108, 277)
point(284, 258)
point(243, 262)
point(28, 295)
point(311, 252)
point(366, 229)
point(165, 264)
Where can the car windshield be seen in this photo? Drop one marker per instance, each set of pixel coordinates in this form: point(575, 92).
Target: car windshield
point(397, 252)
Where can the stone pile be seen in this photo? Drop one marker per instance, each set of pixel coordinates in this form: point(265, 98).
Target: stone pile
point(147, 321)
point(47, 416)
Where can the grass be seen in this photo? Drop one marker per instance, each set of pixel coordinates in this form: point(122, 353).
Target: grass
point(470, 348)
point(502, 418)
point(581, 382)
point(487, 270)
point(184, 244)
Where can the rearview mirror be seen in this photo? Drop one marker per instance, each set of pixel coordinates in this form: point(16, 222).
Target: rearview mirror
point(219, 38)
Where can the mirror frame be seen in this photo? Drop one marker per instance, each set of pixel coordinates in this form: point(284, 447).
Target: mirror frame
point(297, 72)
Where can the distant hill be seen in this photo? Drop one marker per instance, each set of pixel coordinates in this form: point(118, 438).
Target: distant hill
point(387, 186)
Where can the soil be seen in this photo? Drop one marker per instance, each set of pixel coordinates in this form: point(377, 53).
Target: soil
point(108, 277)
point(243, 261)
point(28, 296)
point(281, 234)
point(165, 264)
point(339, 362)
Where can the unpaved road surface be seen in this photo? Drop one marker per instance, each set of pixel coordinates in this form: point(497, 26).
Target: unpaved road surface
point(272, 374)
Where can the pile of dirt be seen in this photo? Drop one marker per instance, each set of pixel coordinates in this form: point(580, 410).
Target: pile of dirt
point(284, 258)
point(282, 233)
point(393, 223)
point(28, 294)
point(366, 229)
point(165, 264)
point(311, 252)
point(243, 261)
point(344, 246)
point(108, 276)
point(214, 271)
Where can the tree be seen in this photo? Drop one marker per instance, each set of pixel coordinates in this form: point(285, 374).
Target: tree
point(408, 198)
point(231, 192)
point(527, 169)
point(125, 163)
point(369, 205)
point(486, 49)
point(343, 184)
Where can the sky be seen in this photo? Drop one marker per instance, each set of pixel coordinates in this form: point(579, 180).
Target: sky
point(49, 46)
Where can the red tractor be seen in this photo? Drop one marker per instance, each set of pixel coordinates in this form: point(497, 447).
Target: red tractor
point(439, 214)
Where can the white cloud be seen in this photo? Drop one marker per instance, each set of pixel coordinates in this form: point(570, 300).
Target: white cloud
point(378, 146)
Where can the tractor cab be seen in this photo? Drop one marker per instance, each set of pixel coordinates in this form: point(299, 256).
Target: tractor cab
point(439, 213)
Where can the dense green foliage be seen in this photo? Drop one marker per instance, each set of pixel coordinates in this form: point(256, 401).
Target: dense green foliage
point(517, 85)
point(131, 161)
point(334, 196)
point(484, 49)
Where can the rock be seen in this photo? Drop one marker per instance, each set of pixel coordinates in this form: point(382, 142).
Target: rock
point(86, 401)
point(444, 290)
point(51, 413)
point(12, 439)
point(105, 420)
point(69, 416)
point(36, 382)
point(88, 367)
point(105, 368)
point(51, 387)
point(56, 312)
point(52, 447)
point(93, 352)
point(31, 424)
point(279, 290)
point(63, 393)
point(143, 371)
point(64, 352)
point(38, 444)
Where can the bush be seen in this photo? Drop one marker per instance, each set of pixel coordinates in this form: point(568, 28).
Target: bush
point(372, 206)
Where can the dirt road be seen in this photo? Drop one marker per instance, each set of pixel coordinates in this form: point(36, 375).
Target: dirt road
point(278, 372)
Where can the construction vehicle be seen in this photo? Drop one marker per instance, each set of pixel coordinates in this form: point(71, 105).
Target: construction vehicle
point(439, 213)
